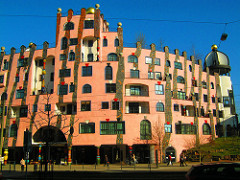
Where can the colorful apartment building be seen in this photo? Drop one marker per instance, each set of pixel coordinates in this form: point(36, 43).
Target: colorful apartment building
point(89, 96)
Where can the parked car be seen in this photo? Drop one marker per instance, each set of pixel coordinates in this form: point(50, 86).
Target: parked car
point(219, 171)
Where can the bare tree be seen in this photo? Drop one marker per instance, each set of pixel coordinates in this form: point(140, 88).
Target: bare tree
point(141, 38)
point(161, 44)
point(195, 53)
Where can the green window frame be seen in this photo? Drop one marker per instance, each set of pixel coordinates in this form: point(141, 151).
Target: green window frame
point(20, 94)
point(145, 130)
point(86, 128)
point(178, 65)
point(112, 128)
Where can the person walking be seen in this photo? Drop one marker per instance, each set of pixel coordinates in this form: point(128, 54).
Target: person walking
point(169, 160)
point(106, 161)
point(181, 160)
point(22, 162)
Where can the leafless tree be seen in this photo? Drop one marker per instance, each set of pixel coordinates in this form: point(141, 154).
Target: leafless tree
point(141, 38)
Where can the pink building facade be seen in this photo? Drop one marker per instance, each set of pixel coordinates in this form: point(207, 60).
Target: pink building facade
point(97, 97)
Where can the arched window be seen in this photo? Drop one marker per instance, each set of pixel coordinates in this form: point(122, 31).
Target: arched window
point(64, 43)
point(105, 42)
point(87, 88)
point(206, 129)
point(145, 130)
point(132, 59)
point(13, 130)
point(116, 42)
point(180, 79)
point(112, 57)
point(168, 64)
point(108, 73)
point(71, 56)
point(160, 107)
point(68, 26)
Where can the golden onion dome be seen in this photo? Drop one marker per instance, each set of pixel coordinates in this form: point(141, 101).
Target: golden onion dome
point(214, 47)
point(90, 10)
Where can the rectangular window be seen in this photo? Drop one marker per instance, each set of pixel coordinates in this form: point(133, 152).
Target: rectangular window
point(178, 65)
point(71, 87)
point(63, 57)
point(5, 65)
point(157, 61)
point(52, 76)
point(181, 95)
point(205, 98)
point(86, 106)
point(35, 108)
point(86, 71)
point(213, 99)
point(135, 90)
point(86, 128)
point(64, 72)
point(168, 128)
point(159, 89)
point(150, 75)
point(73, 41)
point(204, 85)
point(63, 89)
point(1, 78)
point(148, 60)
point(176, 107)
point(105, 105)
point(20, 94)
point(20, 63)
point(194, 83)
point(23, 111)
point(185, 128)
point(115, 105)
point(111, 88)
point(226, 101)
point(1, 111)
point(133, 107)
point(196, 96)
point(158, 75)
point(214, 112)
point(47, 107)
point(90, 43)
point(110, 128)
point(17, 79)
point(89, 24)
point(220, 114)
point(134, 73)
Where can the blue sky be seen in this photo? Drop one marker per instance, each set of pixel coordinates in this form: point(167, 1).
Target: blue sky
point(24, 21)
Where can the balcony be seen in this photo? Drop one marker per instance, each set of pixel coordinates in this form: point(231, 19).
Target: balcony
point(137, 90)
point(137, 107)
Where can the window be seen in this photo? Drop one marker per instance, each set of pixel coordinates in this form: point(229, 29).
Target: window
point(20, 94)
point(35, 108)
point(86, 71)
point(52, 76)
point(1, 111)
point(90, 43)
point(23, 111)
point(190, 68)
point(168, 64)
point(181, 95)
point(168, 128)
point(148, 60)
point(220, 113)
point(1, 78)
point(71, 88)
point(17, 79)
point(134, 73)
point(73, 41)
point(145, 130)
point(63, 89)
point(87, 88)
point(105, 105)
point(206, 129)
point(196, 96)
point(20, 63)
point(160, 107)
point(13, 130)
point(64, 72)
point(180, 79)
point(150, 75)
point(176, 107)
point(86, 106)
point(90, 57)
point(159, 89)
point(110, 128)
point(115, 105)
point(135, 90)
point(112, 57)
point(194, 83)
point(212, 85)
point(204, 84)
point(63, 57)
point(71, 56)
point(185, 128)
point(205, 98)
point(213, 99)
point(5, 65)
point(116, 42)
point(86, 128)
point(226, 101)
point(108, 73)
point(105, 42)
point(157, 61)
point(158, 75)
point(214, 113)
point(64, 43)
point(132, 59)
point(89, 24)
point(202, 113)
point(47, 107)
point(133, 107)
point(178, 65)
point(111, 88)
point(68, 26)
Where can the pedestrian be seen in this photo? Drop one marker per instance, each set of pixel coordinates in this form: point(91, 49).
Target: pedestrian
point(134, 159)
point(22, 162)
point(181, 160)
point(169, 160)
point(184, 160)
point(106, 161)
